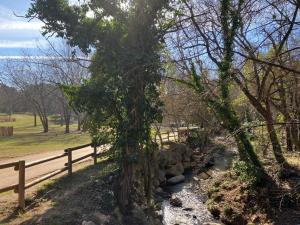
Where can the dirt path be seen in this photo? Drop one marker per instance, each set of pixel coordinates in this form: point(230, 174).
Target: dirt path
point(10, 177)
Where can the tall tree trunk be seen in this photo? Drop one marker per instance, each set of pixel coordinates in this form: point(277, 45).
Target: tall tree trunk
point(126, 183)
point(277, 151)
point(232, 124)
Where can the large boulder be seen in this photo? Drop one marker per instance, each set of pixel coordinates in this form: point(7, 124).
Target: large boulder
point(188, 165)
point(176, 180)
point(175, 170)
point(173, 160)
point(173, 153)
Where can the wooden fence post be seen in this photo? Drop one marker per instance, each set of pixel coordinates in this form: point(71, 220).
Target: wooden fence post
point(95, 155)
point(21, 186)
point(168, 135)
point(69, 162)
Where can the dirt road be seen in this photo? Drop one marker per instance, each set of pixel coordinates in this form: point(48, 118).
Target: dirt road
point(10, 177)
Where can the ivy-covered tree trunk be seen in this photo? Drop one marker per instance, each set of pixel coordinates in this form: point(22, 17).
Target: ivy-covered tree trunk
point(230, 21)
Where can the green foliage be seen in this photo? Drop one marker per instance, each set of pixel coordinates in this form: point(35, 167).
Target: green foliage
point(121, 99)
point(222, 105)
point(198, 139)
point(248, 173)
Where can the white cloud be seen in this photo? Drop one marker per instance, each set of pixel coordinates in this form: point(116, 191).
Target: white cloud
point(9, 21)
point(20, 25)
point(19, 44)
point(20, 57)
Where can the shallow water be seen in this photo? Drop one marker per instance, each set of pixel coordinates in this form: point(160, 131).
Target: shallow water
point(193, 210)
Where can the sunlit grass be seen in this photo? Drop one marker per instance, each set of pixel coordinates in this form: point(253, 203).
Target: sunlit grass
point(293, 160)
point(28, 139)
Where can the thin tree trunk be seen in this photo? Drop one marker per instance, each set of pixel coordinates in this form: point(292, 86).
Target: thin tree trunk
point(45, 124)
point(34, 120)
point(61, 119)
point(78, 122)
point(289, 143)
point(277, 151)
point(67, 118)
point(67, 129)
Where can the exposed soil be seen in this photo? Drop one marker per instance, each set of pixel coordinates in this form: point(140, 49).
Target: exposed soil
point(235, 202)
point(86, 195)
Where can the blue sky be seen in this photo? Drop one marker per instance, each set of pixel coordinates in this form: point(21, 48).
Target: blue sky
point(17, 34)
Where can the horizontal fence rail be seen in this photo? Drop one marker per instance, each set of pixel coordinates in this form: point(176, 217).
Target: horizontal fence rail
point(173, 135)
point(21, 167)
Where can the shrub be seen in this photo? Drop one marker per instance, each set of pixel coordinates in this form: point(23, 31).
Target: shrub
point(198, 139)
point(247, 173)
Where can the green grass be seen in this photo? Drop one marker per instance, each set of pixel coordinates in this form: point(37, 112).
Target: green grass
point(28, 139)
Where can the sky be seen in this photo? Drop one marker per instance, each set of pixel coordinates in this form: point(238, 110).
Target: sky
point(17, 34)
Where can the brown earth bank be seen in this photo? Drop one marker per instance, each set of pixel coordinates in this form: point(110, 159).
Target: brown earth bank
point(237, 198)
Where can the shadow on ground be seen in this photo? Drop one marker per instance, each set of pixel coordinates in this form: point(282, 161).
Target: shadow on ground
point(86, 195)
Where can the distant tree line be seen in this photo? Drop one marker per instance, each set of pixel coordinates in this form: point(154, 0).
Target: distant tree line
point(34, 84)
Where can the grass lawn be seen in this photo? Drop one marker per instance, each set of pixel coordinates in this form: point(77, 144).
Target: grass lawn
point(28, 139)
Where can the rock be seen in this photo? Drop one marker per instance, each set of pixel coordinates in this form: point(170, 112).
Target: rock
point(197, 158)
point(211, 223)
point(160, 192)
point(255, 219)
point(155, 182)
point(195, 178)
point(88, 223)
point(101, 219)
point(175, 170)
point(117, 214)
point(186, 158)
point(176, 180)
point(204, 176)
point(210, 163)
point(186, 165)
point(176, 202)
point(193, 164)
point(209, 173)
point(188, 209)
point(161, 176)
point(175, 157)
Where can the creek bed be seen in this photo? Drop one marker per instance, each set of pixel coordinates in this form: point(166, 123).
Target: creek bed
point(193, 210)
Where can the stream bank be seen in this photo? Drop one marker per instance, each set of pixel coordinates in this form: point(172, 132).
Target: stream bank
point(190, 196)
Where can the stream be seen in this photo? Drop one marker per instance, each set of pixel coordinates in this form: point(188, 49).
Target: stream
point(193, 210)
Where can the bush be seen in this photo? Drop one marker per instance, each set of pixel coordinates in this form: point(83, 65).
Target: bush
point(248, 173)
point(197, 139)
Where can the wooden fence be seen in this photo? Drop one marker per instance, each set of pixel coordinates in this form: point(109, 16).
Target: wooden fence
point(7, 119)
point(21, 166)
point(165, 136)
point(179, 135)
point(6, 131)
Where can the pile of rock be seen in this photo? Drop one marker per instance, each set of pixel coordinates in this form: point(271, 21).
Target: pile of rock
point(173, 160)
